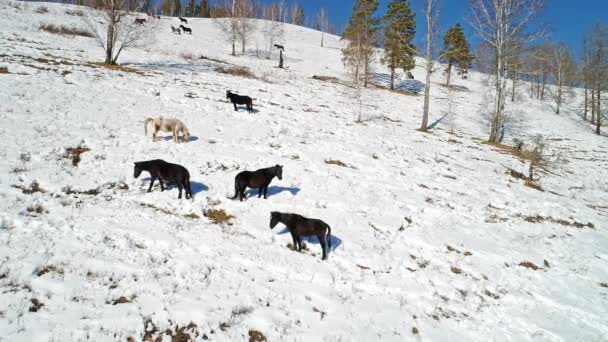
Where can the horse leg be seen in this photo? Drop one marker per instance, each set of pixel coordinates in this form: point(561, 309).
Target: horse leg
point(179, 186)
point(295, 240)
point(162, 186)
point(260, 192)
point(321, 238)
point(299, 243)
point(152, 183)
point(235, 109)
point(265, 192)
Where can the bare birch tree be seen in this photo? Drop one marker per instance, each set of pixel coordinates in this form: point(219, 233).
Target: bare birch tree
point(563, 71)
point(322, 23)
point(273, 29)
point(500, 23)
point(429, 65)
point(226, 18)
point(245, 26)
point(112, 22)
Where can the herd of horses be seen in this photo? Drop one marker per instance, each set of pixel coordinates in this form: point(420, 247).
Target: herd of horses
point(298, 226)
point(177, 30)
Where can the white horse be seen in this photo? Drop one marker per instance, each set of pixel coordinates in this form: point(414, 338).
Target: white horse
point(167, 125)
point(176, 30)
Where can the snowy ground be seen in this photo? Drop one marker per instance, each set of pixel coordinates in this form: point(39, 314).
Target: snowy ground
point(429, 229)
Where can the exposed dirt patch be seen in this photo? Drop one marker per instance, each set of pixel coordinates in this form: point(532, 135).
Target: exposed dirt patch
point(3, 70)
point(455, 270)
point(120, 68)
point(48, 268)
point(123, 300)
point(36, 210)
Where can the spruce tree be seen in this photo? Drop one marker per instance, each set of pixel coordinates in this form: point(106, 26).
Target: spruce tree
point(456, 50)
point(361, 33)
point(399, 31)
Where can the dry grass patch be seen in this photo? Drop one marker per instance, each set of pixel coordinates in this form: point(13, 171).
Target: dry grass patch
point(36, 210)
point(66, 30)
point(218, 216)
point(74, 153)
point(116, 67)
point(3, 70)
point(36, 305)
point(34, 188)
point(123, 300)
point(77, 13)
point(530, 265)
point(47, 269)
point(236, 71)
point(541, 219)
point(325, 78)
point(256, 336)
point(455, 270)
point(41, 10)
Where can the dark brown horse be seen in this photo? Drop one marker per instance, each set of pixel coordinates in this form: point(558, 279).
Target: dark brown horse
point(256, 179)
point(301, 226)
point(164, 171)
point(240, 99)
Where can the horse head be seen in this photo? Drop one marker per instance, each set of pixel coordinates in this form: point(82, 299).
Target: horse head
point(137, 170)
point(274, 218)
point(278, 169)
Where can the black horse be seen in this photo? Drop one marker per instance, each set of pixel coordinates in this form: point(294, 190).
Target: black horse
point(164, 171)
point(186, 29)
point(301, 226)
point(409, 76)
point(281, 47)
point(256, 179)
point(239, 99)
point(183, 20)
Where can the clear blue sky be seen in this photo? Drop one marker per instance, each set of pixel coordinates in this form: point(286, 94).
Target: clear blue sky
point(568, 19)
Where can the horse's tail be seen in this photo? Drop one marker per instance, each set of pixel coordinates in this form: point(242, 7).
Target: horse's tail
point(146, 121)
point(189, 187)
point(328, 237)
point(236, 191)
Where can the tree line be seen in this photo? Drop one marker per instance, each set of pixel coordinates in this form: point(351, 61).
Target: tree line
point(513, 48)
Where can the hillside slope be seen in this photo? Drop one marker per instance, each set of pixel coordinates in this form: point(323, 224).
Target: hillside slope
point(429, 230)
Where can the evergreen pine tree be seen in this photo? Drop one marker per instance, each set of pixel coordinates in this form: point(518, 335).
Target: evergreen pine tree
point(399, 32)
point(456, 50)
point(361, 35)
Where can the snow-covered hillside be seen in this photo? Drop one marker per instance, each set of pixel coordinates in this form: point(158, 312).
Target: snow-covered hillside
point(432, 239)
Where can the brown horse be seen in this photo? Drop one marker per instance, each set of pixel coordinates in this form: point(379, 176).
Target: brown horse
point(164, 171)
point(256, 179)
point(301, 226)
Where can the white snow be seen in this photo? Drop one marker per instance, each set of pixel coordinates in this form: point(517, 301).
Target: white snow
point(384, 276)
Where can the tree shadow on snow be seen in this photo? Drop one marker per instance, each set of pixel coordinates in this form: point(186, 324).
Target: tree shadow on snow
point(273, 190)
point(436, 122)
point(335, 241)
point(410, 86)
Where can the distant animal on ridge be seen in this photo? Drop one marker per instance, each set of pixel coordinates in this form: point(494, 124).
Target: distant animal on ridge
point(140, 21)
point(167, 125)
point(301, 226)
point(256, 179)
point(185, 29)
point(409, 76)
point(164, 171)
point(183, 20)
point(279, 46)
point(240, 99)
point(176, 30)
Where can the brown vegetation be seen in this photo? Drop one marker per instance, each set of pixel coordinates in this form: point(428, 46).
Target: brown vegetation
point(74, 153)
point(218, 216)
point(235, 71)
point(34, 187)
point(66, 30)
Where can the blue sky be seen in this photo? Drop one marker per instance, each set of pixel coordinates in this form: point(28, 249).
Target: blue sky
point(568, 19)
